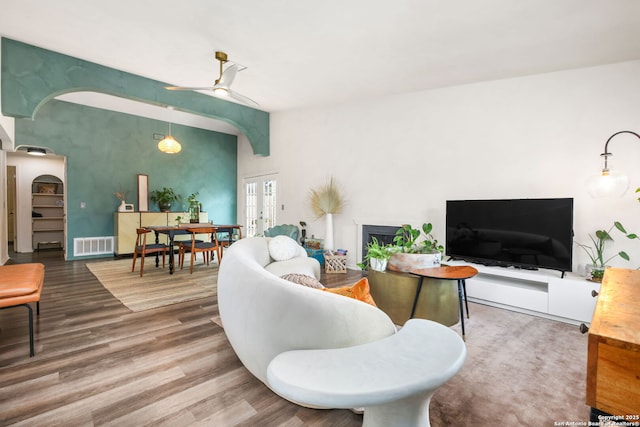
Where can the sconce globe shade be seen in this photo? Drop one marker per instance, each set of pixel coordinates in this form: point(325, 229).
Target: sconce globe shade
point(607, 184)
point(169, 145)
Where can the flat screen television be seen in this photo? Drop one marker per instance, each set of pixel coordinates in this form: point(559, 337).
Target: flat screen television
point(522, 233)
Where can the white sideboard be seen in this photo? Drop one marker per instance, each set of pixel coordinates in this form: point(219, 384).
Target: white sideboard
point(537, 292)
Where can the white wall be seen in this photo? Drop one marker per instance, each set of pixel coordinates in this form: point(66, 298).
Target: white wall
point(27, 169)
point(401, 157)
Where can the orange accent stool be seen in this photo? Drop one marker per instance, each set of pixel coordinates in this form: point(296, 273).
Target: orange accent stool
point(21, 284)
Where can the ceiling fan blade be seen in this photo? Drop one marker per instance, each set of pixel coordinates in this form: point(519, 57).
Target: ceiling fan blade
point(188, 88)
point(243, 99)
point(228, 76)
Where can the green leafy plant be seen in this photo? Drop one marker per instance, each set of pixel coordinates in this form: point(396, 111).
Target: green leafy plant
point(164, 198)
point(596, 251)
point(376, 250)
point(193, 197)
point(407, 236)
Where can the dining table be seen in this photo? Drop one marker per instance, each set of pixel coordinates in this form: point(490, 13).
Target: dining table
point(171, 231)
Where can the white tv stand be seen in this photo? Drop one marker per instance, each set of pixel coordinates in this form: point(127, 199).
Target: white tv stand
point(541, 293)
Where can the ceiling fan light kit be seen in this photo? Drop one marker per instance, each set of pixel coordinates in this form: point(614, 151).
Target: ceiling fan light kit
point(222, 85)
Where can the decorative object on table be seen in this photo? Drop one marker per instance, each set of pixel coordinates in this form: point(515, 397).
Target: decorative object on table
point(124, 206)
point(409, 254)
point(595, 271)
point(609, 183)
point(194, 208)
point(313, 243)
point(303, 232)
point(164, 198)
point(178, 220)
point(326, 201)
point(377, 255)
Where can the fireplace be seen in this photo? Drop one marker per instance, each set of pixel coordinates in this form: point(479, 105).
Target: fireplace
point(384, 234)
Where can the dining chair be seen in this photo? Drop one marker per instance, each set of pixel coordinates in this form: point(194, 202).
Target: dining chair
point(207, 246)
point(143, 249)
point(227, 236)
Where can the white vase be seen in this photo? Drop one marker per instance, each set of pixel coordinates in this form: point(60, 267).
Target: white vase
point(378, 264)
point(328, 235)
point(123, 206)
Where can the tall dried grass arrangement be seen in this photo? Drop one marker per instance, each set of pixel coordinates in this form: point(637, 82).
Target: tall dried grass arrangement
point(326, 199)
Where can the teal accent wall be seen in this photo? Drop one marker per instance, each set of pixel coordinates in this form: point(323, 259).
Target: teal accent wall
point(106, 151)
point(31, 76)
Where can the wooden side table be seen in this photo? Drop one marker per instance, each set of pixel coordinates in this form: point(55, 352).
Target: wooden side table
point(447, 272)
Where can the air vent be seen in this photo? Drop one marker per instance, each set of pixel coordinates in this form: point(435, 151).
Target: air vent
point(85, 246)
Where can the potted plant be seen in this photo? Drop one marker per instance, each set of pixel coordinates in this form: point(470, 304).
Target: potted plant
point(377, 256)
point(194, 208)
point(411, 254)
point(164, 198)
point(596, 252)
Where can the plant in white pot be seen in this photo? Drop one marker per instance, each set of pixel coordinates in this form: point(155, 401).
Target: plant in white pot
point(412, 254)
point(377, 255)
point(326, 201)
point(596, 252)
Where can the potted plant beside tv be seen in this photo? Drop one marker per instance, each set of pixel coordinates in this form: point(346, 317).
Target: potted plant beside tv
point(377, 256)
point(596, 252)
point(411, 254)
point(164, 198)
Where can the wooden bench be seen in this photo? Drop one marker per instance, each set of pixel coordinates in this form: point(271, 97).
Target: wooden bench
point(393, 378)
point(21, 284)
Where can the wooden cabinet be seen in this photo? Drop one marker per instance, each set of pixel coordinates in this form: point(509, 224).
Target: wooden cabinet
point(613, 359)
point(47, 213)
point(125, 224)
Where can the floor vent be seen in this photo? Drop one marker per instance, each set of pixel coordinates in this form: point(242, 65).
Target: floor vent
point(85, 246)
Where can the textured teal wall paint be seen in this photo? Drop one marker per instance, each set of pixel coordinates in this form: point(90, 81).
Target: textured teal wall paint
point(107, 150)
point(31, 76)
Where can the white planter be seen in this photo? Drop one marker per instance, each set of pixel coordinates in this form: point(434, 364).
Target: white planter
point(378, 264)
point(407, 262)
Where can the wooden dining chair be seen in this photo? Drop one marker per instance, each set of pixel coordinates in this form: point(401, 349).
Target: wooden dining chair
point(207, 246)
point(143, 249)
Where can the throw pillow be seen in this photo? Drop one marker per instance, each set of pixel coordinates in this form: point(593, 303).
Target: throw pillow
point(303, 279)
point(359, 291)
point(282, 248)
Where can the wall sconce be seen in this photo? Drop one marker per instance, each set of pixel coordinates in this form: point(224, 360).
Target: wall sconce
point(34, 150)
point(609, 183)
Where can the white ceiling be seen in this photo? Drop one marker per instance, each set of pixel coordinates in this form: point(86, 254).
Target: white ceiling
point(308, 53)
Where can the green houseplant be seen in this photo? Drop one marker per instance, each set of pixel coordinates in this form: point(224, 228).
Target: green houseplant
point(164, 198)
point(413, 254)
point(596, 251)
point(377, 255)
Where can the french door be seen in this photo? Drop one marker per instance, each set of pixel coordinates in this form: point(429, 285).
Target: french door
point(260, 202)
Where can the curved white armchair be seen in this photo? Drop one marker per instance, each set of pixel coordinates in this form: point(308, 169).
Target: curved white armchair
point(264, 315)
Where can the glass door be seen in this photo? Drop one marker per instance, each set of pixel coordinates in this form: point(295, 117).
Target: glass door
point(260, 202)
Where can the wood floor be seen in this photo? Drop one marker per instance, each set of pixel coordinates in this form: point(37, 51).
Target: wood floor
point(99, 364)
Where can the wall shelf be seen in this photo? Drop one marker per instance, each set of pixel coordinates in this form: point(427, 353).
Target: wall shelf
point(47, 212)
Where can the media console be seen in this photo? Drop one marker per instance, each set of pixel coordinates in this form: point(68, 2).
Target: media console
point(541, 293)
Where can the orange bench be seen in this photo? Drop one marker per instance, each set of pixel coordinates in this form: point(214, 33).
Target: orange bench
point(21, 284)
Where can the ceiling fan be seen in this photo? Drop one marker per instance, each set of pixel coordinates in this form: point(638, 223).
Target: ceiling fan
point(222, 85)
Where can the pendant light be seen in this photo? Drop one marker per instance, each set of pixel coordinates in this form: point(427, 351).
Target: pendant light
point(169, 145)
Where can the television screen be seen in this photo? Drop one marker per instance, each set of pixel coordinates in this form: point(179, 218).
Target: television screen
point(525, 233)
